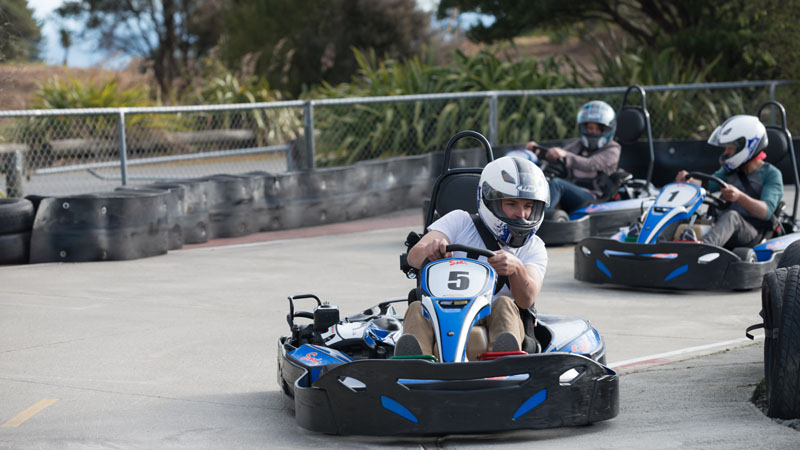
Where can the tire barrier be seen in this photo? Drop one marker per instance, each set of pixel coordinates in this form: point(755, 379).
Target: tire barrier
point(261, 210)
point(174, 205)
point(195, 218)
point(230, 206)
point(106, 226)
point(780, 309)
point(144, 220)
point(16, 221)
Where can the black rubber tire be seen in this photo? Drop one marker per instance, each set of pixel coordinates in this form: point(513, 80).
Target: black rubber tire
point(746, 254)
point(791, 255)
point(15, 248)
point(771, 304)
point(35, 199)
point(783, 394)
point(16, 215)
point(558, 215)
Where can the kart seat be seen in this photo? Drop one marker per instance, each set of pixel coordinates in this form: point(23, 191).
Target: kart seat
point(777, 146)
point(457, 191)
point(632, 122)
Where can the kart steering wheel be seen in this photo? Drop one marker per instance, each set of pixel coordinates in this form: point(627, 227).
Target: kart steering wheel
point(716, 200)
point(551, 169)
point(469, 249)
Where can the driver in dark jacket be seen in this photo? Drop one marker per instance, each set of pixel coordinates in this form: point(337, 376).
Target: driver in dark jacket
point(590, 160)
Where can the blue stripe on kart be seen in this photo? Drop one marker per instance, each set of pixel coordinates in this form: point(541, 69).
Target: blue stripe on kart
point(536, 400)
point(677, 272)
point(603, 268)
point(398, 409)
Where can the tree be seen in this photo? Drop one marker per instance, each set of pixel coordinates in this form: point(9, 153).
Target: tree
point(700, 31)
point(65, 37)
point(302, 43)
point(162, 33)
point(20, 34)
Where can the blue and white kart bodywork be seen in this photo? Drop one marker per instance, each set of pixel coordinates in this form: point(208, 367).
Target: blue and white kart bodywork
point(350, 384)
point(644, 260)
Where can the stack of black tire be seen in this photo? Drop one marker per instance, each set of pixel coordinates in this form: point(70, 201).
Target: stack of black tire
point(780, 298)
point(16, 222)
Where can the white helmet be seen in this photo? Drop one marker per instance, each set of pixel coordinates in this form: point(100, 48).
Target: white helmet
point(512, 177)
point(599, 112)
point(749, 135)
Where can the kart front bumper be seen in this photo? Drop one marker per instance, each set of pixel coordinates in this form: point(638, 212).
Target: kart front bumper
point(416, 397)
point(668, 265)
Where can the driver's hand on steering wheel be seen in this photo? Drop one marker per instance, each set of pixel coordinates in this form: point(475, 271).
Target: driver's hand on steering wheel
point(505, 263)
point(682, 177)
point(534, 147)
point(435, 250)
point(731, 193)
point(555, 153)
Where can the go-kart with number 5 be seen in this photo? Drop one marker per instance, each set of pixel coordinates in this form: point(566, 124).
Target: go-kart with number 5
point(340, 375)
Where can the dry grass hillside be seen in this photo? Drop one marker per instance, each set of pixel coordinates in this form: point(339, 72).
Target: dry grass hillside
point(20, 82)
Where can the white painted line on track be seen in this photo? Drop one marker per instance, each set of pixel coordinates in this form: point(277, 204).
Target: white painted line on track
point(662, 356)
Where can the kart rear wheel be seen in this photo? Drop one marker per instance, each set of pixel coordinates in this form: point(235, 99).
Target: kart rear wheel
point(746, 254)
point(557, 215)
point(783, 395)
point(791, 255)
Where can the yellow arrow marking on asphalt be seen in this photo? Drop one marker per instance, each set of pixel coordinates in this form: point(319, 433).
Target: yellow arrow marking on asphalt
point(30, 412)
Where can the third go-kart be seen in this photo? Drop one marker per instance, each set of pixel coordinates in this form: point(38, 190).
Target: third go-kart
point(341, 377)
point(651, 256)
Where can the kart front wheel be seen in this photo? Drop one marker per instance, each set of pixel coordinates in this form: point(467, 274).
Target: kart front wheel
point(746, 254)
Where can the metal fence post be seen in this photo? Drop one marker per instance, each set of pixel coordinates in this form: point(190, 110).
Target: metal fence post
point(771, 97)
point(123, 148)
point(308, 128)
point(493, 118)
point(14, 175)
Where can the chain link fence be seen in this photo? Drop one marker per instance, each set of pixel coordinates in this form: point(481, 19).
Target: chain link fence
point(63, 152)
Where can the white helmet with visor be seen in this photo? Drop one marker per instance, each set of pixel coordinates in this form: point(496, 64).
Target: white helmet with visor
point(512, 177)
point(747, 133)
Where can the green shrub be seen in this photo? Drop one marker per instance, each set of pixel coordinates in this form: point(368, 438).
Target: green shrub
point(272, 126)
point(352, 133)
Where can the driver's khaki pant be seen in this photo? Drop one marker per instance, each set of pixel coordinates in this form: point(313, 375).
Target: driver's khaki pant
point(504, 316)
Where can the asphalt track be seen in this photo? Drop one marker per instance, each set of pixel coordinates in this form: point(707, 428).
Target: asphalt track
point(179, 351)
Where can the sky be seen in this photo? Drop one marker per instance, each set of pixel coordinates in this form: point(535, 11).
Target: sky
point(83, 54)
